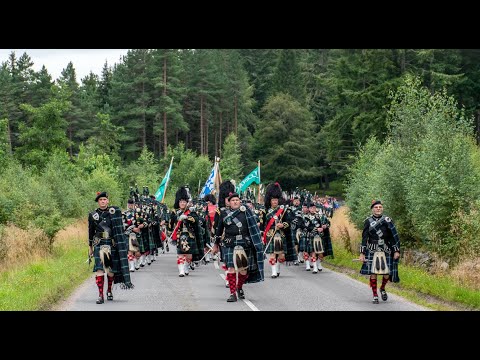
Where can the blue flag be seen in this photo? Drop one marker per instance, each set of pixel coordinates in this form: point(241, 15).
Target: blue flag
point(209, 184)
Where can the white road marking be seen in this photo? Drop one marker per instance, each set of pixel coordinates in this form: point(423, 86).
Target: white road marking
point(248, 302)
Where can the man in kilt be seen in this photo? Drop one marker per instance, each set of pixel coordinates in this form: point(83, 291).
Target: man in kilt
point(185, 231)
point(241, 246)
point(276, 230)
point(132, 231)
point(226, 188)
point(109, 246)
point(380, 242)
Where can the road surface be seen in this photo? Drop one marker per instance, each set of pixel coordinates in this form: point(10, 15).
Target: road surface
point(159, 288)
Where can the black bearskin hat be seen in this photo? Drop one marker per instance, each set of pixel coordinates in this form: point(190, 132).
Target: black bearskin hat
point(273, 191)
point(182, 194)
point(225, 189)
point(211, 198)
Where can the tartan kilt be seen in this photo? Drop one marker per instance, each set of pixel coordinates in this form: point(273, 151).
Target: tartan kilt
point(143, 242)
point(270, 246)
point(228, 254)
point(116, 266)
point(392, 265)
point(292, 234)
point(151, 241)
point(156, 236)
point(191, 242)
point(327, 245)
point(302, 244)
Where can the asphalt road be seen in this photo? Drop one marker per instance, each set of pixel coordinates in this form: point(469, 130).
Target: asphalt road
point(159, 288)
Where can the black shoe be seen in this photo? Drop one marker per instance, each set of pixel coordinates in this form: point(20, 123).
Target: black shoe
point(109, 296)
point(375, 300)
point(384, 295)
point(232, 298)
point(100, 300)
point(241, 294)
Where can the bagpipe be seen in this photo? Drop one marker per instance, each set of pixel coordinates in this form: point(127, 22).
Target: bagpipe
point(275, 236)
point(174, 233)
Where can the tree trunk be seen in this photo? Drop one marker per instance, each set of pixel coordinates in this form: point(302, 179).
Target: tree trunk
point(144, 130)
point(216, 142)
point(402, 60)
point(9, 134)
point(228, 127)
point(201, 124)
point(70, 136)
point(327, 183)
point(165, 113)
point(206, 137)
point(478, 127)
point(220, 135)
point(235, 116)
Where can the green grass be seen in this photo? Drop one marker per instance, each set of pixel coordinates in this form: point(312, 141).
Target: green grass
point(417, 285)
point(41, 284)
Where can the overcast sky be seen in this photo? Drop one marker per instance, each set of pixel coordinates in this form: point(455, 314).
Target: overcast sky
point(55, 60)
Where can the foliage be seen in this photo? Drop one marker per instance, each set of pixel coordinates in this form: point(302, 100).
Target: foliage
point(427, 172)
point(44, 133)
point(283, 142)
point(231, 165)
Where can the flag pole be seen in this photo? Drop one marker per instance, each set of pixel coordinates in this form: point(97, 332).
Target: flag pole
point(166, 184)
point(260, 181)
point(218, 177)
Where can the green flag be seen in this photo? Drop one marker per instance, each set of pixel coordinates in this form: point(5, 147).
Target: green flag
point(253, 177)
point(160, 194)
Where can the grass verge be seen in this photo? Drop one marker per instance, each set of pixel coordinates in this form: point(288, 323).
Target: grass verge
point(436, 291)
point(42, 283)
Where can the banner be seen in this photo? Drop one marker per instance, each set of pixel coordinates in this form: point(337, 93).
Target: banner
point(210, 183)
point(253, 177)
point(160, 194)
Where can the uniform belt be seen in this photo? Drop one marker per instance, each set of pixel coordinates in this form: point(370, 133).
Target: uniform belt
point(103, 235)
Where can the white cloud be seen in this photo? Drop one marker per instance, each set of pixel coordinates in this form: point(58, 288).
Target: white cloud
point(55, 60)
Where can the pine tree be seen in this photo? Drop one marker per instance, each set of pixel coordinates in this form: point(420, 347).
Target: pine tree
point(287, 77)
point(67, 82)
point(231, 161)
point(284, 142)
point(168, 72)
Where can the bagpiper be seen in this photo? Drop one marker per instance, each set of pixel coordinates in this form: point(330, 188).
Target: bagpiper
point(239, 237)
point(108, 245)
point(380, 250)
point(185, 231)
